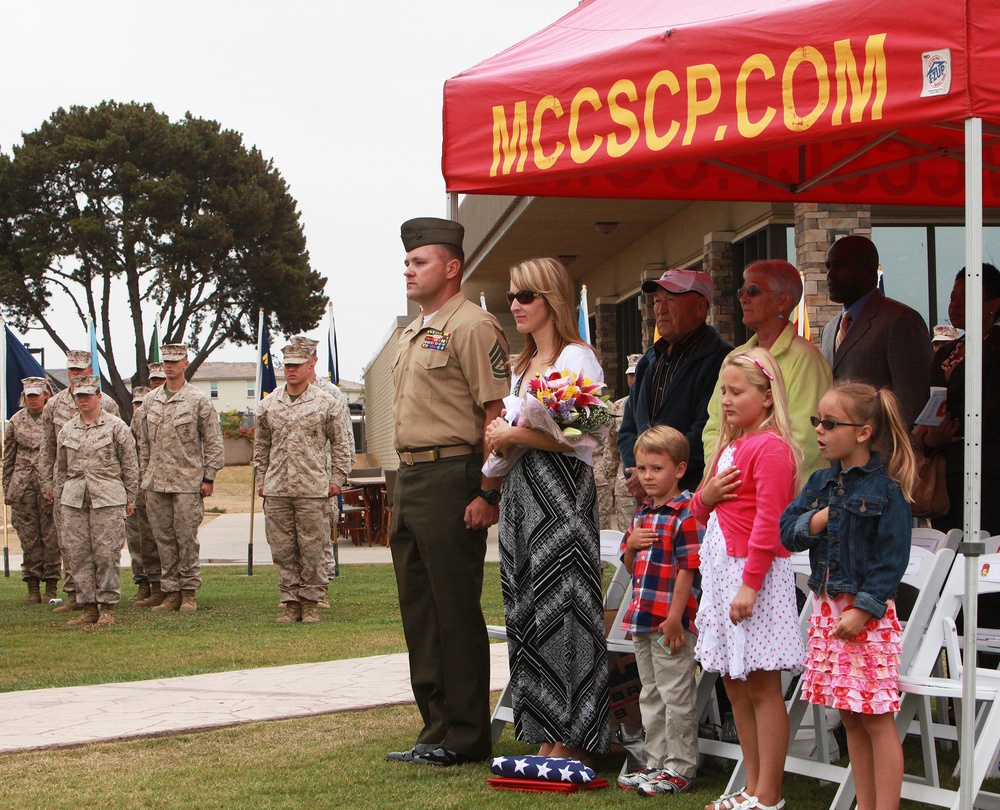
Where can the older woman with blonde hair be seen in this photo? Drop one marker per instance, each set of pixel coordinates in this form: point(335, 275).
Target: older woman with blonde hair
point(549, 539)
point(771, 290)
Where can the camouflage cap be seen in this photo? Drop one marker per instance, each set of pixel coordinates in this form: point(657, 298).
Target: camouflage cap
point(139, 393)
point(431, 231)
point(78, 359)
point(86, 385)
point(172, 352)
point(156, 371)
point(633, 361)
point(34, 385)
point(295, 354)
point(305, 342)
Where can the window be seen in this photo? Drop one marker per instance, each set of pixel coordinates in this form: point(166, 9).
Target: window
point(629, 322)
point(213, 390)
point(251, 389)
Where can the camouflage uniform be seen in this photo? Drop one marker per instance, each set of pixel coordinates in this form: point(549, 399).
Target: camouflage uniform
point(180, 446)
point(58, 411)
point(141, 546)
point(97, 475)
point(623, 502)
point(341, 397)
point(300, 448)
point(30, 513)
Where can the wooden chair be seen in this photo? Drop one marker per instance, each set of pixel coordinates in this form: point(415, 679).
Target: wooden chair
point(354, 517)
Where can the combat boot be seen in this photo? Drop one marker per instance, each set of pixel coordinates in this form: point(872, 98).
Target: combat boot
point(107, 616)
point(155, 597)
point(69, 605)
point(51, 589)
point(324, 603)
point(34, 596)
point(292, 614)
point(171, 601)
point(310, 613)
point(89, 616)
point(143, 592)
point(188, 602)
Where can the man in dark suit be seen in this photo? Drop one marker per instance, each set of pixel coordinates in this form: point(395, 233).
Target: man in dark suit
point(875, 339)
point(675, 378)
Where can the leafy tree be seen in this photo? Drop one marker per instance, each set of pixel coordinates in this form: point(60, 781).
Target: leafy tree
point(181, 214)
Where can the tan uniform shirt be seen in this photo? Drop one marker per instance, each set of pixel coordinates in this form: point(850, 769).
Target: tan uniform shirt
point(300, 446)
point(445, 373)
point(22, 439)
point(96, 459)
point(180, 440)
point(58, 411)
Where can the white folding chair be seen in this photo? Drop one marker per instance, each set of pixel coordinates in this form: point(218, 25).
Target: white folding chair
point(920, 686)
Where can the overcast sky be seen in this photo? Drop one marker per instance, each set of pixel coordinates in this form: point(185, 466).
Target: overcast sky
point(344, 97)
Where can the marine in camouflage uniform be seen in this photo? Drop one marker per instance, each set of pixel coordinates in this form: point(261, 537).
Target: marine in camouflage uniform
point(616, 504)
point(58, 411)
point(302, 456)
point(30, 513)
point(97, 477)
point(138, 534)
point(180, 452)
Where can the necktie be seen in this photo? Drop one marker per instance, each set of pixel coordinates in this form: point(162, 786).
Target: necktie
point(845, 324)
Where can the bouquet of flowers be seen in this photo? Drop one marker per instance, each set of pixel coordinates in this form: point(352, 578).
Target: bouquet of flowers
point(566, 406)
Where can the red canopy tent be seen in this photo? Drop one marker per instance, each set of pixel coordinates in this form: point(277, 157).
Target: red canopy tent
point(884, 102)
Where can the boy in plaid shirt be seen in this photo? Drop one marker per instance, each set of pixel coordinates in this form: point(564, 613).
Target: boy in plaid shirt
point(660, 550)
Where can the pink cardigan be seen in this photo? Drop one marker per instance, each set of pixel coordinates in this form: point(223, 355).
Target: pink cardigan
point(750, 523)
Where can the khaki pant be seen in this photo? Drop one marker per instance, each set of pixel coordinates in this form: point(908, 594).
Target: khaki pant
point(174, 518)
point(298, 532)
point(92, 541)
point(68, 585)
point(141, 546)
point(31, 517)
point(667, 703)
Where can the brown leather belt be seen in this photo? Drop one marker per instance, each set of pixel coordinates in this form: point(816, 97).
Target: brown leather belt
point(438, 453)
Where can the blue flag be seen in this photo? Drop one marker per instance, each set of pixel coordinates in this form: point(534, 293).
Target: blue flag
point(268, 382)
point(333, 361)
point(18, 364)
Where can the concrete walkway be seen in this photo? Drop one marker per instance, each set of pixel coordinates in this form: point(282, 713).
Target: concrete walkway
point(57, 718)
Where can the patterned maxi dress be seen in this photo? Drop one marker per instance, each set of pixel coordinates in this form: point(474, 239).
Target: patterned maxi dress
point(550, 569)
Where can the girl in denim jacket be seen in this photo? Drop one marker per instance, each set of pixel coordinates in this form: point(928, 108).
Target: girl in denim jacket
point(855, 520)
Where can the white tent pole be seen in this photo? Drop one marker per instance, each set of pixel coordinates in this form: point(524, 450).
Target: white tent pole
point(972, 547)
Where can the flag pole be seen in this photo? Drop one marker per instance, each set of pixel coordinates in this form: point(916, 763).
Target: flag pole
point(3, 437)
point(253, 467)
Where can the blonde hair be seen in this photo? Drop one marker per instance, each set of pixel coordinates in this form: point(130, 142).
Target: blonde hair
point(666, 441)
point(762, 372)
point(879, 409)
point(550, 278)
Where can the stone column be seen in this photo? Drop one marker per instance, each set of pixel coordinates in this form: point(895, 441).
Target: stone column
point(717, 261)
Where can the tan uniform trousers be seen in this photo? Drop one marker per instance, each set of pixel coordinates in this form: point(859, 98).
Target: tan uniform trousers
point(174, 518)
point(57, 517)
point(31, 517)
point(92, 540)
point(298, 532)
point(141, 546)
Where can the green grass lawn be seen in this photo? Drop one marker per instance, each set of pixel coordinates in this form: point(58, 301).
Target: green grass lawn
point(233, 629)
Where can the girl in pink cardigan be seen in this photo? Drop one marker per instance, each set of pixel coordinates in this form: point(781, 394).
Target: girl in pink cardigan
point(748, 618)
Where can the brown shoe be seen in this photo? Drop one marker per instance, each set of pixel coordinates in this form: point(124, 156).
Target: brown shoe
point(171, 601)
point(143, 592)
point(89, 616)
point(107, 616)
point(188, 603)
point(51, 589)
point(324, 603)
point(69, 605)
point(292, 614)
point(310, 614)
point(155, 597)
point(34, 596)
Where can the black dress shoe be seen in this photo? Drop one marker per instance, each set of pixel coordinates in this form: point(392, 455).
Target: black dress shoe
point(444, 758)
point(407, 756)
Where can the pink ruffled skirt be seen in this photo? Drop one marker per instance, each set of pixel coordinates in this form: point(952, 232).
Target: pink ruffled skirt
point(857, 674)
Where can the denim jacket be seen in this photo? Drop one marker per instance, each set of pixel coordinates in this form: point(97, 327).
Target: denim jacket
point(866, 547)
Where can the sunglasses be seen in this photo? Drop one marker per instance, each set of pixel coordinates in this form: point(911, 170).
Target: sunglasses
point(829, 424)
point(523, 297)
point(750, 291)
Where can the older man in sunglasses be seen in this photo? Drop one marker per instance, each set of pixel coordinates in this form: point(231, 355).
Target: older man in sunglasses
point(675, 378)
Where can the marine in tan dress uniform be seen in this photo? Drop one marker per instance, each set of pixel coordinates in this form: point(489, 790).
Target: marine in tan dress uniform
point(30, 513)
point(180, 452)
point(302, 456)
point(97, 477)
point(451, 374)
point(58, 411)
